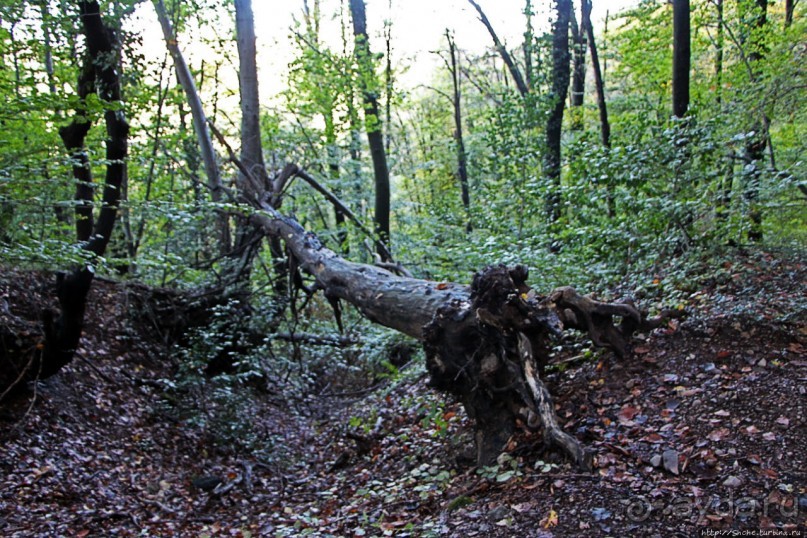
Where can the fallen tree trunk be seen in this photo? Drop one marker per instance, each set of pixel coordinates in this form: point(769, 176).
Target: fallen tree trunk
point(485, 343)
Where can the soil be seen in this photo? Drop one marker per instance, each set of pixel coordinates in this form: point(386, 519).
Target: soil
point(702, 428)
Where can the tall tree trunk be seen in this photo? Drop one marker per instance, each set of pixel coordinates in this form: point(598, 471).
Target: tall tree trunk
point(599, 85)
point(578, 71)
point(554, 122)
point(681, 58)
point(388, 83)
point(373, 124)
point(529, 45)
point(199, 124)
point(755, 145)
point(73, 137)
point(719, 53)
point(462, 158)
point(251, 147)
point(62, 330)
point(789, 6)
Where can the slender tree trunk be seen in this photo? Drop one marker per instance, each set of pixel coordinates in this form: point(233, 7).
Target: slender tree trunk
point(681, 58)
point(578, 71)
point(46, 34)
point(462, 158)
point(372, 119)
point(251, 147)
point(755, 145)
point(719, 53)
point(789, 6)
point(554, 123)
point(162, 92)
point(529, 45)
point(388, 84)
point(599, 85)
point(199, 124)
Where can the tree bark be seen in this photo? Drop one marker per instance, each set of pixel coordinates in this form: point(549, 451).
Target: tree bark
point(251, 148)
point(755, 145)
point(789, 6)
point(554, 122)
point(681, 58)
point(599, 85)
point(73, 137)
point(199, 124)
point(719, 52)
point(578, 70)
point(372, 119)
point(462, 157)
point(62, 330)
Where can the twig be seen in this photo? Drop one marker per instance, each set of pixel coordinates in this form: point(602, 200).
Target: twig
point(247, 476)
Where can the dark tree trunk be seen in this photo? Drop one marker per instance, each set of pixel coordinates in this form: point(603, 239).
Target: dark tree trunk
point(578, 70)
point(62, 330)
point(719, 52)
point(554, 122)
point(73, 137)
point(755, 145)
point(462, 158)
point(681, 58)
point(372, 118)
point(789, 5)
point(599, 85)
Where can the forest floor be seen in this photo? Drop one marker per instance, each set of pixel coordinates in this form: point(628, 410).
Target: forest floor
point(702, 429)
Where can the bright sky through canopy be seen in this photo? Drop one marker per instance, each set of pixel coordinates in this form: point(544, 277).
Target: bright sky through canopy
point(418, 28)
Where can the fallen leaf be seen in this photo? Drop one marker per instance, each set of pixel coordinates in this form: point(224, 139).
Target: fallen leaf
point(551, 520)
point(718, 434)
point(627, 413)
point(670, 461)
